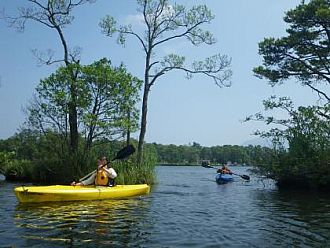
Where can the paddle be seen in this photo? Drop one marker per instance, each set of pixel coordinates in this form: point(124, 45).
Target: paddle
point(245, 177)
point(121, 154)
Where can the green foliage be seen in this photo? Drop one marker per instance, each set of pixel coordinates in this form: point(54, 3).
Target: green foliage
point(5, 160)
point(105, 100)
point(306, 161)
point(131, 172)
point(114, 92)
point(304, 53)
point(105, 96)
point(194, 154)
point(13, 168)
point(45, 165)
point(19, 170)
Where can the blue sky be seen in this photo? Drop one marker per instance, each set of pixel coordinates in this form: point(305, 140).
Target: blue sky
point(181, 111)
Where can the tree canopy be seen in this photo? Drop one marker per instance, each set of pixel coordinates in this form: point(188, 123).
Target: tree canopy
point(304, 54)
point(105, 94)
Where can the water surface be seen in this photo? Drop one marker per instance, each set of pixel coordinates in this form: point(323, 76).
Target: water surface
point(185, 209)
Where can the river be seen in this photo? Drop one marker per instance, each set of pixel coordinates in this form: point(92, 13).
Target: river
point(185, 209)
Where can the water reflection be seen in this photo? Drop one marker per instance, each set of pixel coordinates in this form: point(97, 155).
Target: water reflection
point(87, 224)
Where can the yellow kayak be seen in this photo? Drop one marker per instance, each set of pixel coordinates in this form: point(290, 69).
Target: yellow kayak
point(78, 193)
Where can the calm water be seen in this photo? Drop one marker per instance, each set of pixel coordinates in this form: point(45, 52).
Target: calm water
point(186, 209)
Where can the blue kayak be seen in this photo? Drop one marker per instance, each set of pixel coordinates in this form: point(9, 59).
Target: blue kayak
point(224, 178)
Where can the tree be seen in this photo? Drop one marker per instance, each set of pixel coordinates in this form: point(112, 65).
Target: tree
point(166, 23)
point(104, 96)
point(56, 15)
point(112, 93)
point(305, 53)
point(304, 120)
point(306, 160)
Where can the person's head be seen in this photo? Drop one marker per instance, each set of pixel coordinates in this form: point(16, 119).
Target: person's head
point(104, 160)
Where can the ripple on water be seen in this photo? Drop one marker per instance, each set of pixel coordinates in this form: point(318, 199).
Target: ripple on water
point(185, 209)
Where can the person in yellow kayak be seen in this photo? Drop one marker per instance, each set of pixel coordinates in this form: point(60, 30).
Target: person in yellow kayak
point(224, 170)
point(104, 175)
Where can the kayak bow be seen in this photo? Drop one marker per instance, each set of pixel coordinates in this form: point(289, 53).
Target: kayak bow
point(223, 178)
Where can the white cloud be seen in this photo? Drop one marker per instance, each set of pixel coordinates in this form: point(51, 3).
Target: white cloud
point(134, 20)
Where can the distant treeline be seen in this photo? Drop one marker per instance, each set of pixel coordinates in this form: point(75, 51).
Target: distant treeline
point(193, 154)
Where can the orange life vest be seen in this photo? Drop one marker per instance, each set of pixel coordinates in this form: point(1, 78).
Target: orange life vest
point(101, 178)
point(224, 170)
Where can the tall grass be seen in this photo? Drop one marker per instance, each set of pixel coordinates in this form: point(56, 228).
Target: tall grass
point(54, 164)
point(22, 170)
point(130, 172)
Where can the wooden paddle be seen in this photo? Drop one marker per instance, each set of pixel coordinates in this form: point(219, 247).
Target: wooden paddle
point(245, 177)
point(121, 154)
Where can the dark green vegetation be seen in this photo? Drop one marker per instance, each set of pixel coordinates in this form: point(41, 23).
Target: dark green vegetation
point(29, 156)
point(216, 155)
point(304, 56)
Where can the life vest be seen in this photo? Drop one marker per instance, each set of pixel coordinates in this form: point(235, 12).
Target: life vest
point(101, 178)
point(224, 171)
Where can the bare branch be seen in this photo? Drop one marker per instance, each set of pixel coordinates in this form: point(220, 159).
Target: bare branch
point(56, 14)
point(130, 32)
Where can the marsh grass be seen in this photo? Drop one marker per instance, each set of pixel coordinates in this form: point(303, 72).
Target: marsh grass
point(130, 172)
point(63, 168)
point(18, 170)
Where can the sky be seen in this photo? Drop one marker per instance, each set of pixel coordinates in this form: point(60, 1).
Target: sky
point(180, 111)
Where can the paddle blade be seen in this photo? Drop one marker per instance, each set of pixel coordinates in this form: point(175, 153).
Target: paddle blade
point(246, 177)
point(206, 165)
point(125, 152)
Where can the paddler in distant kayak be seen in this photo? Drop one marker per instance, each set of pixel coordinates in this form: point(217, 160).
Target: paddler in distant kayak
point(224, 170)
point(104, 175)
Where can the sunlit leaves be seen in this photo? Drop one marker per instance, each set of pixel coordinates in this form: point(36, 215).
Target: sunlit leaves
point(108, 25)
point(173, 60)
point(104, 97)
point(217, 67)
